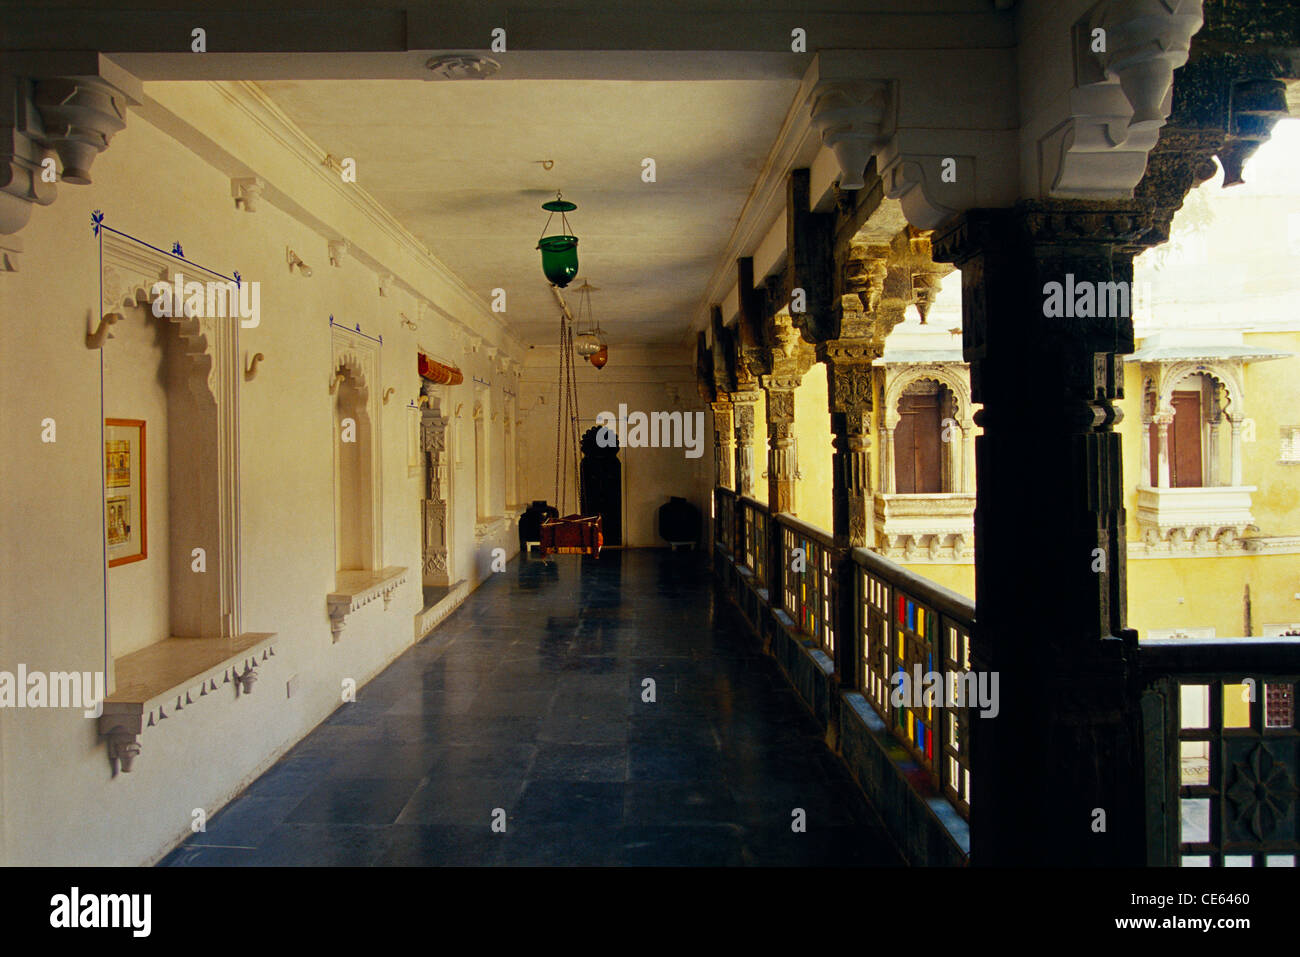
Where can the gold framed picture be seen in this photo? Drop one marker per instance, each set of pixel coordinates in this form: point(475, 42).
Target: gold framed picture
point(125, 528)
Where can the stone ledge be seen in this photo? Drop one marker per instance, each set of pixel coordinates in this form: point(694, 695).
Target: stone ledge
point(920, 819)
point(429, 618)
point(355, 588)
point(173, 674)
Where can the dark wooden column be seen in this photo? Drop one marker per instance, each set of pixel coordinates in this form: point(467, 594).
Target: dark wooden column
point(1065, 746)
point(742, 411)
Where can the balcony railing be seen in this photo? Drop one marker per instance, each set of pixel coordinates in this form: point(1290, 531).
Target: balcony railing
point(808, 575)
point(724, 518)
point(753, 547)
point(1222, 750)
point(1219, 715)
point(911, 627)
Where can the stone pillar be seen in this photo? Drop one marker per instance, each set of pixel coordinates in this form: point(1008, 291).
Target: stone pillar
point(1163, 420)
point(433, 443)
point(1065, 744)
point(967, 454)
point(1212, 456)
point(1235, 452)
point(742, 405)
point(886, 460)
point(722, 443)
point(1144, 476)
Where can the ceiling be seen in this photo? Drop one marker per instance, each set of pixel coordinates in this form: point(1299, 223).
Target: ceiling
point(455, 163)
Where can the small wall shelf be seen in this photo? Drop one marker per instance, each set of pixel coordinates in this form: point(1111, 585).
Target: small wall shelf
point(161, 681)
point(354, 589)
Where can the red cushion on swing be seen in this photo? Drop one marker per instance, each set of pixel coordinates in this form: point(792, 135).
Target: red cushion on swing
point(573, 533)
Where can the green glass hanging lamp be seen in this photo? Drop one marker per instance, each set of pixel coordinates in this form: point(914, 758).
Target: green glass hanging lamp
point(560, 251)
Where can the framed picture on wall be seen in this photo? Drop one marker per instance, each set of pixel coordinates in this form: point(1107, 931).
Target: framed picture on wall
point(124, 491)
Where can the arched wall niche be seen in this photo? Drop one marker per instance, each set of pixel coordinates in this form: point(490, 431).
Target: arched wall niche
point(196, 498)
point(358, 486)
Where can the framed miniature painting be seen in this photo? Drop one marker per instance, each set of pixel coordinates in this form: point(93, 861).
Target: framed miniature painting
point(124, 491)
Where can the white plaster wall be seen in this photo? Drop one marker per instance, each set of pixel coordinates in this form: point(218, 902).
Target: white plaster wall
point(62, 806)
point(134, 388)
point(645, 380)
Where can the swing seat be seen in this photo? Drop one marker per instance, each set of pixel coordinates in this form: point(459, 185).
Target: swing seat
point(572, 534)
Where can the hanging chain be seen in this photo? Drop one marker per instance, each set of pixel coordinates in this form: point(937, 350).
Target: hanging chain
point(566, 425)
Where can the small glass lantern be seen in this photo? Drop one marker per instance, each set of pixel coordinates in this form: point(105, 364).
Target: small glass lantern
point(559, 252)
point(588, 340)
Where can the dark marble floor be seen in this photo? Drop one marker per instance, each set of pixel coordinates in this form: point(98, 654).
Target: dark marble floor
point(529, 699)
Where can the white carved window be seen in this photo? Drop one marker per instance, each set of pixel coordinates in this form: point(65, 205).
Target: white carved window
point(1290, 445)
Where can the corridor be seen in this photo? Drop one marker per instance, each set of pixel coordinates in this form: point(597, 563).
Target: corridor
point(530, 699)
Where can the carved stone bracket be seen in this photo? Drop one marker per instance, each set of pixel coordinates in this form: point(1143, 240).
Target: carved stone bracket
point(1126, 52)
point(73, 114)
point(855, 118)
point(247, 190)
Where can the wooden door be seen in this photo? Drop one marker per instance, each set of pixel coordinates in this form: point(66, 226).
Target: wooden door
point(1185, 470)
point(918, 451)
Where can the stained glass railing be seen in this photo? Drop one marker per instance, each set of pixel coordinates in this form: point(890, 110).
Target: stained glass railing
point(724, 518)
point(913, 653)
point(1222, 751)
point(808, 573)
point(753, 553)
